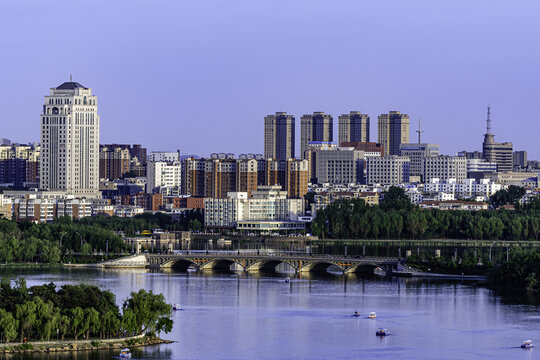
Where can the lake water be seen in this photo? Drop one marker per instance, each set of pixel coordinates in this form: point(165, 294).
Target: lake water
point(245, 316)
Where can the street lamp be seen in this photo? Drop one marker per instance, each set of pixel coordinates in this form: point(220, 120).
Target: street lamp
point(490, 246)
point(61, 237)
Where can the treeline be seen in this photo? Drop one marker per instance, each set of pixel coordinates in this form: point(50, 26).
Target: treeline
point(398, 218)
point(35, 313)
point(190, 220)
point(470, 265)
point(521, 271)
point(47, 242)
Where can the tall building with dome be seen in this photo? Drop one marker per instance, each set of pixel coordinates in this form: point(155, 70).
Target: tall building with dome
point(70, 141)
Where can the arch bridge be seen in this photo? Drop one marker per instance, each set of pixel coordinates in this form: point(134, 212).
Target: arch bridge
point(299, 263)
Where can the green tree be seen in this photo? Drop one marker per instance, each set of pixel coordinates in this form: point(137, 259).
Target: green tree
point(77, 322)
point(395, 199)
point(92, 322)
point(8, 326)
point(86, 249)
point(148, 309)
point(26, 317)
point(64, 325)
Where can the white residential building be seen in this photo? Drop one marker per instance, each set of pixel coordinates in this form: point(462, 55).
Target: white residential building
point(445, 167)
point(70, 141)
point(167, 156)
point(269, 203)
point(163, 175)
point(388, 170)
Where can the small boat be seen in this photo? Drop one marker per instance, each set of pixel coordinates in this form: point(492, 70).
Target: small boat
point(125, 354)
point(191, 268)
point(382, 332)
point(372, 315)
point(287, 280)
point(527, 344)
point(176, 307)
point(356, 314)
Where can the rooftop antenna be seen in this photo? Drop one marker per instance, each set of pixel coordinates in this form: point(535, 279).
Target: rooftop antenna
point(419, 131)
point(70, 78)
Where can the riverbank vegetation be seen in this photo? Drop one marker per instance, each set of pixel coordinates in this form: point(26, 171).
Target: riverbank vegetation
point(41, 313)
point(521, 271)
point(470, 265)
point(398, 218)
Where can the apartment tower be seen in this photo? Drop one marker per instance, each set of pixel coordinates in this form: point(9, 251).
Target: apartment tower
point(279, 137)
point(70, 141)
point(316, 127)
point(393, 130)
point(353, 127)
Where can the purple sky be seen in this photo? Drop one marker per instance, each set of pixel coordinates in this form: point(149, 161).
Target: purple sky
point(201, 75)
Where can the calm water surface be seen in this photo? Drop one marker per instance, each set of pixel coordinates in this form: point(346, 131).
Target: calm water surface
point(240, 316)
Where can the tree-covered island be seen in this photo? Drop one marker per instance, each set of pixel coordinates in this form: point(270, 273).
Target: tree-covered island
point(75, 312)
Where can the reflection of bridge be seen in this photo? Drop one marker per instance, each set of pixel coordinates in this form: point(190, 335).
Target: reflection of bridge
point(253, 262)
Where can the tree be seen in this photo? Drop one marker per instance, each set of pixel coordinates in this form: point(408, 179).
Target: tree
point(91, 323)
point(77, 321)
point(86, 249)
point(395, 199)
point(195, 225)
point(149, 310)
point(64, 325)
point(26, 317)
point(8, 326)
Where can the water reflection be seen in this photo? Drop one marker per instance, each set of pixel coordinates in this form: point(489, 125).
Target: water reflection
point(237, 315)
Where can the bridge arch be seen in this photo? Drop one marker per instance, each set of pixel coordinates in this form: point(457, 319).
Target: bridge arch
point(268, 265)
point(318, 266)
point(180, 264)
point(220, 264)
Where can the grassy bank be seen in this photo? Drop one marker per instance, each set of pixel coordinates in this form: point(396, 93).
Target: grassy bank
point(58, 346)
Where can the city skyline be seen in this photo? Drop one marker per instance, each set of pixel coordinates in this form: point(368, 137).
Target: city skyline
point(172, 79)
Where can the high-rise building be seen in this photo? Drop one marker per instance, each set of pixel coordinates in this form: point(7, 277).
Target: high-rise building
point(135, 151)
point(499, 153)
point(161, 174)
point(164, 156)
point(19, 165)
point(392, 131)
point(388, 170)
point(417, 153)
point(338, 166)
point(70, 140)
point(445, 168)
point(113, 162)
point(520, 159)
point(316, 127)
point(279, 135)
point(353, 127)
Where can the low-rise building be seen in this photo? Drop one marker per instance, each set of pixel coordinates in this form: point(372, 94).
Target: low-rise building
point(269, 203)
point(454, 205)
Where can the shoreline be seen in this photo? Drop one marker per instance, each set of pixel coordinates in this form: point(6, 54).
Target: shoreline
point(82, 345)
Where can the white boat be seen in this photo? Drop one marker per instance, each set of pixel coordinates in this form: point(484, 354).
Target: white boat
point(125, 354)
point(372, 315)
point(527, 344)
point(191, 268)
point(176, 307)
